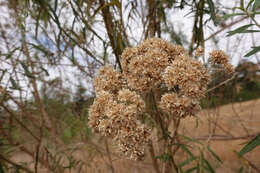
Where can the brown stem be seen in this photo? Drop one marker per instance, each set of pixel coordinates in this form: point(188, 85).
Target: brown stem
point(154, 160)
point(20, 123)
point(197, 32)
point(109, 156)
point(177, 141)
point(151, 18)
point(15, 164)
point(226, 138)
point(222, 83)
point(167, 140)
point(110, 27)
point(247, 161)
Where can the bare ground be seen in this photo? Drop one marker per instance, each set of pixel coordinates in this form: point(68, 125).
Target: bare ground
point(226, 129)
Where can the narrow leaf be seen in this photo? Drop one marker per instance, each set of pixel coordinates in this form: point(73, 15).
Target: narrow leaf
point(1, 168)
point(187, 161)
point(226, 16)
point(212, 11)
point(202, 162)
point(37, 158)
point(254, 51)
point(251, 145)
point(241, 4)
point(240, 170)
point(2, 75)
point(45, 71)
point(186, 150)
point(255, 6)
point(190, 139)
point(239, 30)
point(250, 31)
point(55, 5)
point(214, 154)
point(198, 168)
point(9, 55)
point(26, 70)
point(209, 166)
point(191, 170)
point(248, 5)
point(14, 84)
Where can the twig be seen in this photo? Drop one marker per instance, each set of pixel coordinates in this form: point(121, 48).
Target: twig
point(226, 27)
point(226, 138)
point(247, 161)
point(154, 161)
point(222, 83)
point(109, 157)
point(15, 164)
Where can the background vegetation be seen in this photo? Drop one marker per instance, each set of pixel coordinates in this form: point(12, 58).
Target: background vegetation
point(50, 51)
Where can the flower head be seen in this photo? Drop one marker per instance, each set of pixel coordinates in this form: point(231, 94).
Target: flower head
point(108, 79)
point(219, 57)
point(144, 65)
point(154, 65)
point(179, 107)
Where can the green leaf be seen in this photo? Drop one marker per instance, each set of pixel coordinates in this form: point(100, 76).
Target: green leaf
point(1, 168)
point(202, 161)
point(187, 161)
point(250, 31)
point(164, 157)
point(14, 84)
point(255, 6)
point(26, 70)
point(198, 168)
point(9, 55)
point(248, 5)
point(240, 169)
point(210, 169)
point(55, 5)
point(45, 71)
point(41, 48)
point(212, 11)
point(241, 4)
point(239, 30)
point(254, 51)
point(2, 75)
point(214, 154)
point(251, 145)
point(37, 158)
point(186, 150)
point(191, 170)
point(226, 16)
point(190, 139)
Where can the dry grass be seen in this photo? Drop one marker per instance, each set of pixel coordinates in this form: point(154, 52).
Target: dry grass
point(226, 122)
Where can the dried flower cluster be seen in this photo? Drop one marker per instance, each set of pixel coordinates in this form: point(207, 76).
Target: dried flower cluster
point(118, 117)
point(179, 106)
point(152, 65)
point(188, 79)
point(219, 57)
point(108, 79)
point(143, 65)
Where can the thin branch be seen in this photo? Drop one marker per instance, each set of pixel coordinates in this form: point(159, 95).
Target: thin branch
point(222, 83)
point(154, 160)
point(226, 27)
point(227, 138)
point(109, 157)
point(15, 164)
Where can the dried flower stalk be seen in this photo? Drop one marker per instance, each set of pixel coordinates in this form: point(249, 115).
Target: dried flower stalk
point(155, 64)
